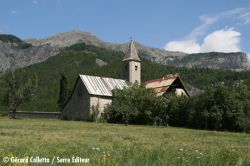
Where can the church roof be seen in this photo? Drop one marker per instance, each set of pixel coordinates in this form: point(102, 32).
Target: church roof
point(102, 86)
point(160, 86)
point(131, 53)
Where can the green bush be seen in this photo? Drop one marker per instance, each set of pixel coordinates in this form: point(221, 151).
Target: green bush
point(133, 105)
point(216, 109)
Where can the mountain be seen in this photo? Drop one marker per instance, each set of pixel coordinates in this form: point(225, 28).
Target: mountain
point(15, 53)
point(213, 60)
point(66, 39)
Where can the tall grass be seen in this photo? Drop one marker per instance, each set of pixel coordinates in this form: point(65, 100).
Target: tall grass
point(110, 144)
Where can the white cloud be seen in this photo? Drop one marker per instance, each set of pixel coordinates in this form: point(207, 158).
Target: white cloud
point(240, 14)
point(245, 17)
point(223, 40)
point(187, 46)
point(201, 29)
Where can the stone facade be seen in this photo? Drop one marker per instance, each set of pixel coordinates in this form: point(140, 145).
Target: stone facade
point(79, 105)
point(101, 101)
point(133, 71)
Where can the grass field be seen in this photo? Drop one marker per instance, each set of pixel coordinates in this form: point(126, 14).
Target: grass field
point(111, 144)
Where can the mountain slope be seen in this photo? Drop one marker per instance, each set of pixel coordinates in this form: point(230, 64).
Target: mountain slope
point(66, 39)
point(15, 53)
point(40, 50)
point(213, 60)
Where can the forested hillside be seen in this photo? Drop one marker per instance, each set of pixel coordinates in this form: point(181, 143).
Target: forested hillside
point(81, 59)
point(17, 43)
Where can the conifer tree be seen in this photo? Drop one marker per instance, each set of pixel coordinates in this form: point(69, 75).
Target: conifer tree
point(63, 94)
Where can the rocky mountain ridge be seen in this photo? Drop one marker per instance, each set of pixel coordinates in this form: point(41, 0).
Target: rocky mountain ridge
point(42, 49)
point(11, 57)
point(236, 61)
point(66, 39)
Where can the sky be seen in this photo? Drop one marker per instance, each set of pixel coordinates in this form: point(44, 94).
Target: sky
point(178, 25)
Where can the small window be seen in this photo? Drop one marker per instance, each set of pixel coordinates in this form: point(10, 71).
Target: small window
point(126, 67)
point(136, 68)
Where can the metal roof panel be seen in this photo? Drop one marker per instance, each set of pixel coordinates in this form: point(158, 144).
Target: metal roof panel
point(102, 86)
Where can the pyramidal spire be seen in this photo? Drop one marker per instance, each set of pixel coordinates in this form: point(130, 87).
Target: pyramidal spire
point(131, 53)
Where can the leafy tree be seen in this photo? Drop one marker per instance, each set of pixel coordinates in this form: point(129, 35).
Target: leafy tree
point(241, 115)
point(132, 105)
point(63, 94)
point(21, 86)
point(178, 108)
point(221, 108)
point(160, 113)
point(94, 112)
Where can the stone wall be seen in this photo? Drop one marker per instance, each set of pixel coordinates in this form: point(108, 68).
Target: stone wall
point(135, 72)
point(101, 101)
point(37, 115)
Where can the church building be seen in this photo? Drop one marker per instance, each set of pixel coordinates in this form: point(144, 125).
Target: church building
point(96, 92)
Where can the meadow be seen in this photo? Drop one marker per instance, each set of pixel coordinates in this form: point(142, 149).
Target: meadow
point(114, 144)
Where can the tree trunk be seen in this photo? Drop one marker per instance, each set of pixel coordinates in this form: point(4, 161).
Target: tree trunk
point(13, 113)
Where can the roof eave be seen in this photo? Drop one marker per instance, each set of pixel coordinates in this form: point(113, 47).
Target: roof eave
point(131, 59)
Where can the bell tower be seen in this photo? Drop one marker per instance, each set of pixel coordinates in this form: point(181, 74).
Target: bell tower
point(132, 65)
